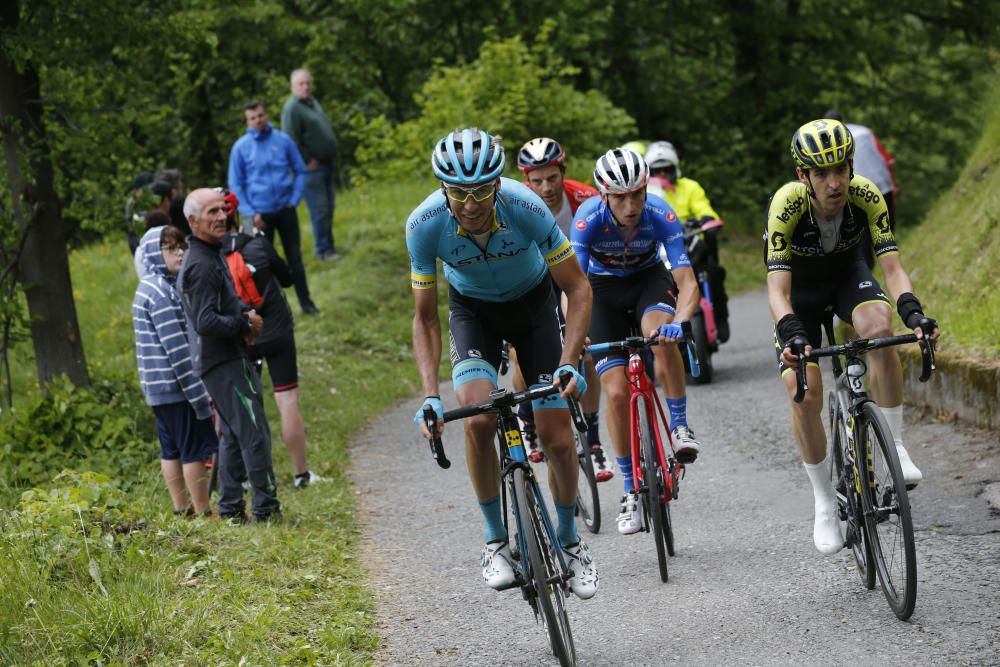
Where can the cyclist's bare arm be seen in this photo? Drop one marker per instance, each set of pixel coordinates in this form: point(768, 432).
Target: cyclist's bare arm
point(427, 339)
point(897, 282)
point(687, 293)
point(579, 299)
point(779, 298)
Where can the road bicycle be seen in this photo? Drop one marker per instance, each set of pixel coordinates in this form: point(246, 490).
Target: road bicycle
point(704, 334)
point(539, 564)
point(871, 494)
point(657, 476)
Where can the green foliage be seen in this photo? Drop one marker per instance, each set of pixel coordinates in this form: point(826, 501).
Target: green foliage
point(80, 514)
point(502, 91)
point(952, 257)
point(106, 426)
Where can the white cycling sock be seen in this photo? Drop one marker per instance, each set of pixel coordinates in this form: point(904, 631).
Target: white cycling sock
point(826, 524)
point(894, 417)
point(819, 475)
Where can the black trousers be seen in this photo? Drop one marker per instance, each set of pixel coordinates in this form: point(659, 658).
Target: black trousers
point(245, 448)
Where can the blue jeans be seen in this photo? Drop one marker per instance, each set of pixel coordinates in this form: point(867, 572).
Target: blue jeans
point(321, 199)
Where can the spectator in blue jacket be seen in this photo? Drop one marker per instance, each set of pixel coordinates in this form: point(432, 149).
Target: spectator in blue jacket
point(267, 174)
point(166, 376)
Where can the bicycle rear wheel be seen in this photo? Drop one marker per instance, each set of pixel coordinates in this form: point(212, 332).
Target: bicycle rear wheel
point(588, 503)
point(654, 487)
point(887, 513)
point(844, 475)
point(544, 568)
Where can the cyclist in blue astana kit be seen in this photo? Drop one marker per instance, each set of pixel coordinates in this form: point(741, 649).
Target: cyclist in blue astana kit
point(617, 236)
point(499, 245)
point(816, 228)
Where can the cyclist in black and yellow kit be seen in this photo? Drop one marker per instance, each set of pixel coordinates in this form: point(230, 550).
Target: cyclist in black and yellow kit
point(815, 230)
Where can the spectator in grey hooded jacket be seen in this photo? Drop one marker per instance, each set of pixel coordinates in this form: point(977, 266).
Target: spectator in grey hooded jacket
point(177, 396)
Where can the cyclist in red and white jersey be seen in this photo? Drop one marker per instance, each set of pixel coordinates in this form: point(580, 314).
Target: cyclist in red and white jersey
point(543, 162)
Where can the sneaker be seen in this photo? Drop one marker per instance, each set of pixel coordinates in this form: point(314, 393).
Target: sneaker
point(331, 256)
point(497, 569)
point(535, 455)
point(585, 580)
point(603, 474)
point(308, 477)
point(911, 473)
point(187, 512)
point(686, 448)
point(826, 531)
point(630, 516)
point(234, 518)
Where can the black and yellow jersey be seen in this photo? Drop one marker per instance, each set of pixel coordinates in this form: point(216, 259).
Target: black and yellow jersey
point(792, 239)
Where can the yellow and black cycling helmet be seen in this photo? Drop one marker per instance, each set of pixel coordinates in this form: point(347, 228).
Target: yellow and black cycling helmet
point(822, 143)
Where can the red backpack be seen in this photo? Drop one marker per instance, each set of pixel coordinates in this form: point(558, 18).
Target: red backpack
point(246, 288)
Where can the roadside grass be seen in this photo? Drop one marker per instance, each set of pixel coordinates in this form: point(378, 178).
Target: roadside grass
point(953, 255)
point(196, 592)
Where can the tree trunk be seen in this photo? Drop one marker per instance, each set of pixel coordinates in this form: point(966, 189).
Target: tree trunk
point(44, 267)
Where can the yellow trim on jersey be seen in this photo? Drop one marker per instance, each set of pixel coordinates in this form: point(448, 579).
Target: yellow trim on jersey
point(423, 281)
point(560, 254)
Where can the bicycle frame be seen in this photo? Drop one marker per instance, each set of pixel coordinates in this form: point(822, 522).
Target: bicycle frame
point(643, 397)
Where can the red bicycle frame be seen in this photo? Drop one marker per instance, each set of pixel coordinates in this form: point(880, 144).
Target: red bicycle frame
point(643, 397)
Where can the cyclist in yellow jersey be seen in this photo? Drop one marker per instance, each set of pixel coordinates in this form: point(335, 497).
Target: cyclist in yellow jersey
point(815, 230)
point(689, 201)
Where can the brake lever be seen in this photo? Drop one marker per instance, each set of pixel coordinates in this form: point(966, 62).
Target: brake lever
point(574, 405)
point(692, 350)
point(437, 447)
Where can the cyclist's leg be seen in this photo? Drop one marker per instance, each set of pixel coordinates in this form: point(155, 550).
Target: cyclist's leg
point(871, 316)
point(810, 437)
point(475, 356)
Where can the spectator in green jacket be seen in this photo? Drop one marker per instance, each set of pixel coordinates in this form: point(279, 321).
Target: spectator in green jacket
point(304, 120)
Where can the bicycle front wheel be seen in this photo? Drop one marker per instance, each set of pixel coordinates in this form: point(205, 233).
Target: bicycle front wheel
point(844, 474)
point(588, 503)
point(544, 568)
point(654, 487)
point(887, 513)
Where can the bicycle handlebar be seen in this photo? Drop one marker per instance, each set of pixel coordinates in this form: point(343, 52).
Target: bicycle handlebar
point(636, 343)
point(510, 400)
point(862, 345)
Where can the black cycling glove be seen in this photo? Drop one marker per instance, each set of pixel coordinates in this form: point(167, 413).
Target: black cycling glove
point(909, 310)
point(789, 328)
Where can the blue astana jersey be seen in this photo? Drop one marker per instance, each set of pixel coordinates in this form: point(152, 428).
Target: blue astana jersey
point(602, 251)
point(525, 241)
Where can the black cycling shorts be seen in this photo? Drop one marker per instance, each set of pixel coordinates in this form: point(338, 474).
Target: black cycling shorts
point(812, 299)
point(620, 303)
point(478, 328)
point(282, 361)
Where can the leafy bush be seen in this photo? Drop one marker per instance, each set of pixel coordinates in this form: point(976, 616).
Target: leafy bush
point(511, 90)
point(105, 427)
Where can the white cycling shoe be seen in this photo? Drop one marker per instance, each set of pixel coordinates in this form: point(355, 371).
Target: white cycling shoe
point(498, 571)
point(686, 447)
point(585, 580)
point(826, 530)
point(630, 516)
point(911, 473)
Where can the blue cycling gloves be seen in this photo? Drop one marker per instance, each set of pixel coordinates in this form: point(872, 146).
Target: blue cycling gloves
point(435, 404)
point(581, 384)
point(672, 331)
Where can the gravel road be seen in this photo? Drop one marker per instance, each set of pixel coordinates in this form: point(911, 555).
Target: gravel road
point(746, 586)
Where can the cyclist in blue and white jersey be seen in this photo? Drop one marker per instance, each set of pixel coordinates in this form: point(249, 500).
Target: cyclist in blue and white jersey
point(617, 236)
point(501, 249)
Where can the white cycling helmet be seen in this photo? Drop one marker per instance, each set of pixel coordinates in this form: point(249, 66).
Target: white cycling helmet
point(620, 171)
point(661, 154)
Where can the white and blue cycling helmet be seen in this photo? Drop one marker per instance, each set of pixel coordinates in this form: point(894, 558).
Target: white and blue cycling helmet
point(468, 156)
point(620, 171)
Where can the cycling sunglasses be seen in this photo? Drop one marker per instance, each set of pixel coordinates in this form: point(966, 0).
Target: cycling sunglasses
point(461, 195)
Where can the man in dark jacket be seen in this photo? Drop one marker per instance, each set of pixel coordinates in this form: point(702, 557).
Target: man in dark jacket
point(221, 327)
point(276, 343)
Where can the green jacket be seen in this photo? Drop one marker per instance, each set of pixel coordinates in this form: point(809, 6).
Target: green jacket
point(306, 123)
